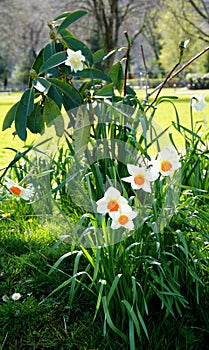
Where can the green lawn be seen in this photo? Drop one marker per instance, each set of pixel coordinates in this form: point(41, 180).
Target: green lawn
point(164, 115)
point(7, 138)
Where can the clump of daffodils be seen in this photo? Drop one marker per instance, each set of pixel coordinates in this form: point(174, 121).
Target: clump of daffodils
point(114, 204)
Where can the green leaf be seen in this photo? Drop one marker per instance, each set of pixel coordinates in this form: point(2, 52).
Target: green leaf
point(76, 45)
point(55, 95)
point(74, 97)
point(71, 18)
point(92, 74)
point(10, 117)
point(99, 55)
point(49, 50)
point(105, 91)
point(35, 122)
point(38, 61)
point(81, 133)
point(41, 84)
point(116, 74)
point(52, 116)
point(24, 109)
point(54, 61)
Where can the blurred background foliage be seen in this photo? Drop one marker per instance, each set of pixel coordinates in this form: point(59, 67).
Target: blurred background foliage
point(158, 25)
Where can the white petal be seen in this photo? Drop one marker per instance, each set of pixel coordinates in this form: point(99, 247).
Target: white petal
point(115, 225)
point(134, 170)
point(125, 208)
point(127, 179)
point(112, 192)
point(146, 187)
point(102, 209)
point(129, 225)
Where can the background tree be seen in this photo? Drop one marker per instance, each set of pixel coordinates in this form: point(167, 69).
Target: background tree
point(173, 27)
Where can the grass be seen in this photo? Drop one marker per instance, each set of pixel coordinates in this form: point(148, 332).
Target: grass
point(7, 138)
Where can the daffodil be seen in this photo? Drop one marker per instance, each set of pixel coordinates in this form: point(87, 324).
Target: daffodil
point(167, 161)
point(198, 102)
point(16, 296)
point(112, 202)
point(24, 193)
point(122, 219)
point(140, 177)
point(75, 60)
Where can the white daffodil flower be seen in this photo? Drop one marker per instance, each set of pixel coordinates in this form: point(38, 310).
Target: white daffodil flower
point(16, 296)
point(198, 102)
point(24, 193)
point(167, 161)
point(120, 219)
point(140, 177)
point(112, 202)
point(75, 60)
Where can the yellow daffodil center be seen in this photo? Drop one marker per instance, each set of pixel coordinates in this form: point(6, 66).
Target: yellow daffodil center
point(113, 205)
point(166, 165)
point(123, 219)
point(15, 190)
point(139, 179)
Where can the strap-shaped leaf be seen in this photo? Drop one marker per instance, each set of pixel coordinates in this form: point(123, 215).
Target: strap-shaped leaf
point(73, 95)
point(54, 61)
point(10, 117)
point(116, 74)
point(82, 128)
point(76, 45)
point(52, 116)
point(35, 121)
point(24, 109)
point(71, 18)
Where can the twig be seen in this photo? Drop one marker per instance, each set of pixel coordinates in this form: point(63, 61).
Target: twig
point(147, 73)
point(127, 62)
point(178, 71)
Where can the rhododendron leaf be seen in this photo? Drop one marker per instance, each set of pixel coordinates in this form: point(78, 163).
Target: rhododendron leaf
point(35, 122)
point(93, 74)
point(106, 90)
point(41, 84)
point(99, 55)
point(71, 18)
point(74, 97)
point(24, 109)
point(53, 116)
point(116, 74)
point(10, 117)
point(54, 61)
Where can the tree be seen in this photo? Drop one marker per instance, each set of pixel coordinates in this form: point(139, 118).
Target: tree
point(177, 22)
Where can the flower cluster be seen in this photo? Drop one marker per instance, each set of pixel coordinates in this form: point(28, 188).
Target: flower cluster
point(117, 206)
point(118, 209)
